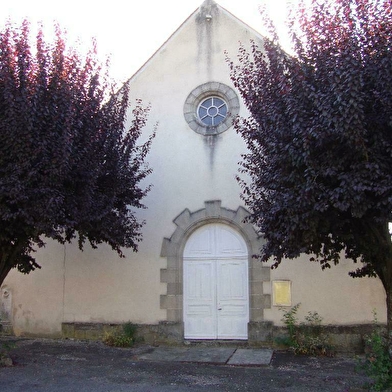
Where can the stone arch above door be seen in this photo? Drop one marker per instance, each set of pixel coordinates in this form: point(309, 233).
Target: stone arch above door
point(172, 248)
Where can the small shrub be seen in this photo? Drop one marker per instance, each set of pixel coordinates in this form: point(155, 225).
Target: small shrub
point(126, 338)
point(306, 338)
point(378, 365)
point(290, 320)
point(5, 359)
point(129, 329)
point(311, 339)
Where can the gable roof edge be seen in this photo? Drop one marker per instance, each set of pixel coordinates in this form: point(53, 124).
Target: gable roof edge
point(162, 47)
point(177, 31)
point(251, 29)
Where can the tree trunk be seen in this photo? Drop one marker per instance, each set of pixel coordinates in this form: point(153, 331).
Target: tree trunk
point(10, 256)
point(387, 283)
point(5, 268)
point(381, 262)
point(389, 320)
point(384, 271)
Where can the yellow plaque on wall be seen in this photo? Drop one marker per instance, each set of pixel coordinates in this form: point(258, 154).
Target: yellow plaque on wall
point(281, 292)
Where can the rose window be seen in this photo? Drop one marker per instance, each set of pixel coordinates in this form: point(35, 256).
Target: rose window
point(212, 111)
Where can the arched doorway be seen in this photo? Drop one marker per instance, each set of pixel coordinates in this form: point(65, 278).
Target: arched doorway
point(216, 289)
point(187, 224)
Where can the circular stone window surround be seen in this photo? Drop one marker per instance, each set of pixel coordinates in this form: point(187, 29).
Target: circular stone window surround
point(202, 92)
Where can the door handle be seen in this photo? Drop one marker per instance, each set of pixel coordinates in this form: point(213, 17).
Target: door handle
point(219, 308)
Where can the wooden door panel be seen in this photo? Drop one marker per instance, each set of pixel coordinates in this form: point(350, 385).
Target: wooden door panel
point(232, 298)
point(199, 300)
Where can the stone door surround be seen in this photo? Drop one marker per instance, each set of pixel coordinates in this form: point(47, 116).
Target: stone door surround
point(172, 248)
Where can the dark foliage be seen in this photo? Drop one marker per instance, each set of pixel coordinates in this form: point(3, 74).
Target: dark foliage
point(68, 168)
point(320, 137)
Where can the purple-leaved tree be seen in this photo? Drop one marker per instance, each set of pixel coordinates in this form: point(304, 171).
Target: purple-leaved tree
point(68, 167)
point(320, 137)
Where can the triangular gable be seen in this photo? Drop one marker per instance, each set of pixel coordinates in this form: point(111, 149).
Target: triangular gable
point(203, 10)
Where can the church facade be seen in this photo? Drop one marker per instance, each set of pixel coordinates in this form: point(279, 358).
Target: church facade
point(194, 277)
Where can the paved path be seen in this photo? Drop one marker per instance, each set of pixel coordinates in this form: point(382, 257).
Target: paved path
point(79, 366)
point(213, 355)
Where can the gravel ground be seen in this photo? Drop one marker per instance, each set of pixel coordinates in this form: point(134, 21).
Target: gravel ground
point(66, 365)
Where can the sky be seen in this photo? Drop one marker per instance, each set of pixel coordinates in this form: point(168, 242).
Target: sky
point(130, 31)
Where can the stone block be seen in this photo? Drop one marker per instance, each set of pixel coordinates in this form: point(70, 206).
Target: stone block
point(171, 301)
point(176, 239)
point(266, 274)
point(256, 314)
point(256, 288)
point(172, 262)
point(257, 244)
point(215, 86)
point(80, 334)
point(148, 333)
point(6, 329)
point(168, 276)
point(256, 274)
point(174, 289)
point(213, 208)
point(262, 301)
point(261, 332)
point(174, 315)
point(165, 247)
point(347, 342)
point(68, 330)
point(171, 332)
point(255, 263)
point(182, 220)
point(256, 301)
point(240, 215)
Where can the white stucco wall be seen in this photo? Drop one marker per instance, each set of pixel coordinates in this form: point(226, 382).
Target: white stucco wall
point(338, 298)
point(189, 169)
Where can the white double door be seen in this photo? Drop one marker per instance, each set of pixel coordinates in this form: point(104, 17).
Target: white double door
point(216, 295)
